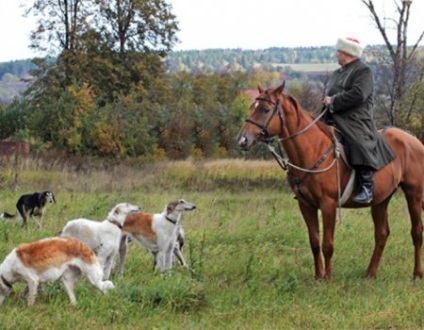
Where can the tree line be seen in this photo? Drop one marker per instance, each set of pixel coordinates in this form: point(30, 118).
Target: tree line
point(112, 87)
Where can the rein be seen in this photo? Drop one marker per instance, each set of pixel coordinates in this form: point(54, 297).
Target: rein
point(303, 130)
point(285, 164)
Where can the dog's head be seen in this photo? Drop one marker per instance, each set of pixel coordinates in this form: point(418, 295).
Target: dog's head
point(179, 206)
point(121, 210)
point(48, 196)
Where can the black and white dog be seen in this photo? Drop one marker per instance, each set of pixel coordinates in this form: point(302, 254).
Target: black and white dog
point(31, 205)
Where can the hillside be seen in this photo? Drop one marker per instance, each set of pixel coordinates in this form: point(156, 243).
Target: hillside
point(297, 61)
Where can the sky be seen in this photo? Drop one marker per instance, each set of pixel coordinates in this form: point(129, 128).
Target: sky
point(245, 24)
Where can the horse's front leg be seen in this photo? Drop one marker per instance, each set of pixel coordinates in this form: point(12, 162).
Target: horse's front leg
point(381, 234)
point(329, 210)
point(310, 215)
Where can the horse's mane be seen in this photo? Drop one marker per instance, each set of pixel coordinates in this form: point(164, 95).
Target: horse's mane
point(302, 114)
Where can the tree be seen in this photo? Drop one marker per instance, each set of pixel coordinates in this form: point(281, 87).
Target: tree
point(400, 53)
point(122, 39)
point(60, 27)
point(137, 25)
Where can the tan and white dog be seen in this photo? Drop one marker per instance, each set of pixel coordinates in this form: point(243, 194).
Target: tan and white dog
point(156, 232)
point(103, 237)
point(50, 259)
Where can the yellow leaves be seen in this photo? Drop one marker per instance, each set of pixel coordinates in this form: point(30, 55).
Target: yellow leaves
point(84, 98)
point(108, 139)
point(415, 122)
point(204, 135)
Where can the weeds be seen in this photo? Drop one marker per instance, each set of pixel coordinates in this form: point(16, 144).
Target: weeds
point(248, 248)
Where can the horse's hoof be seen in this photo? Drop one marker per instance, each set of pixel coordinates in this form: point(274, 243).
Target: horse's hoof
point(418, 276)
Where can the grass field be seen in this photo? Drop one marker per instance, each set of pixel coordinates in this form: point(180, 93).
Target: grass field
point(246, 242)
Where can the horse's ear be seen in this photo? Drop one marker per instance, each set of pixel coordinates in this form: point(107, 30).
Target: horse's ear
point(260, 89)
point(280, 88)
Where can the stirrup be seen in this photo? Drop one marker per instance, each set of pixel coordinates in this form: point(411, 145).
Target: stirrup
point(364, 197)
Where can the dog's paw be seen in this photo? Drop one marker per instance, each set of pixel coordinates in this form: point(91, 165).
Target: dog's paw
point(107, 285)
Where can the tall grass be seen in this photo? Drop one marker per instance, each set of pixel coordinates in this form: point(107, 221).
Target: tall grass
point(247, 245)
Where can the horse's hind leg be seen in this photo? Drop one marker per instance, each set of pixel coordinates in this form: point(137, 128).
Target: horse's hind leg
point(381, 233)
point(415, 205)
point(310, 215)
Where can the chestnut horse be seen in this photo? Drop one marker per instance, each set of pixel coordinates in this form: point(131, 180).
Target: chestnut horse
point(315, 173)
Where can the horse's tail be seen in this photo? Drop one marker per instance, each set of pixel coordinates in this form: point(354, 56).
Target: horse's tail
point(422, 198)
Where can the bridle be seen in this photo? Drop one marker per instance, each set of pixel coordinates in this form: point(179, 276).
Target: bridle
point(264, 128)
point(284, 163)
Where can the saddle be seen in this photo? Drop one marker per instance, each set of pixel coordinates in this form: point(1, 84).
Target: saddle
point(351, 183)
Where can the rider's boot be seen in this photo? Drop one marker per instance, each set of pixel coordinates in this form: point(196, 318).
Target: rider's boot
point(366, 186)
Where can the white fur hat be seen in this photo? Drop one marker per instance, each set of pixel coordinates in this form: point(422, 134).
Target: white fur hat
point(349, 45)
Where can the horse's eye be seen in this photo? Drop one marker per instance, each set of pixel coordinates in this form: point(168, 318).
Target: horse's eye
point(266, 109)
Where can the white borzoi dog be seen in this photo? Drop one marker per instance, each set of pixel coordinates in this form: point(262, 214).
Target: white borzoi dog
point(31, 205)
point(50, 259)
point(156, 232)
point(103, 237)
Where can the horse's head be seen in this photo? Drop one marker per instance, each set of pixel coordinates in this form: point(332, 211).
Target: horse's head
point(265, 119)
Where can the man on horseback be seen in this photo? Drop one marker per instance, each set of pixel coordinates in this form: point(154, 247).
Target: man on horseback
point(349, 101)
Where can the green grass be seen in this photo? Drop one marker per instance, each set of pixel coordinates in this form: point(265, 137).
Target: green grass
point(252, 266)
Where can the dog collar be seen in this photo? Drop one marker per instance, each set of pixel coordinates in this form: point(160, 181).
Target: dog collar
point(6, 282)
point(171, 220)
point(116, 223)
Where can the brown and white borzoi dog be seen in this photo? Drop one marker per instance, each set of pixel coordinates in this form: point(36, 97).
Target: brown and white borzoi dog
point(50, 259)
point(103, 237)
point(31, 205)
point(156, 232)
point(178, 249)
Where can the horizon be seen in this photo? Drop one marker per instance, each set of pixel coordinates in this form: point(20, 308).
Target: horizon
point(204, 25)
point(213, 49)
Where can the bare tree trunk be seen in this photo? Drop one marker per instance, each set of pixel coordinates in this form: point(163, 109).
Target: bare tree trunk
point(400, 53)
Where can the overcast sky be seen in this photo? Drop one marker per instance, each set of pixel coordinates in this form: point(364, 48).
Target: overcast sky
point(246, 24)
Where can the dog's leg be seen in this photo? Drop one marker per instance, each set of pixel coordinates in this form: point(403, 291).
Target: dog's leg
point(39, 223)
point(160, 261)
point(94, 274)
point(68, 280)
point(32, 291)
point(108, 264)
point(123, 246)
point(169, 256)
point(155, 259)
point(178, 253)
point(23, 214)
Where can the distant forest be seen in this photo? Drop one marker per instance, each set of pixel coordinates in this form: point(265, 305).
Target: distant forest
point(15, 75)
point(191, 106)
point(217, 60)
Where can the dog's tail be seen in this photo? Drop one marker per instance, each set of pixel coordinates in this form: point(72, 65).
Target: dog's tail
point(9, 216)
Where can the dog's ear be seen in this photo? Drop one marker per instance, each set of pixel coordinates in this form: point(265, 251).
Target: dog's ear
point(171, 207)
